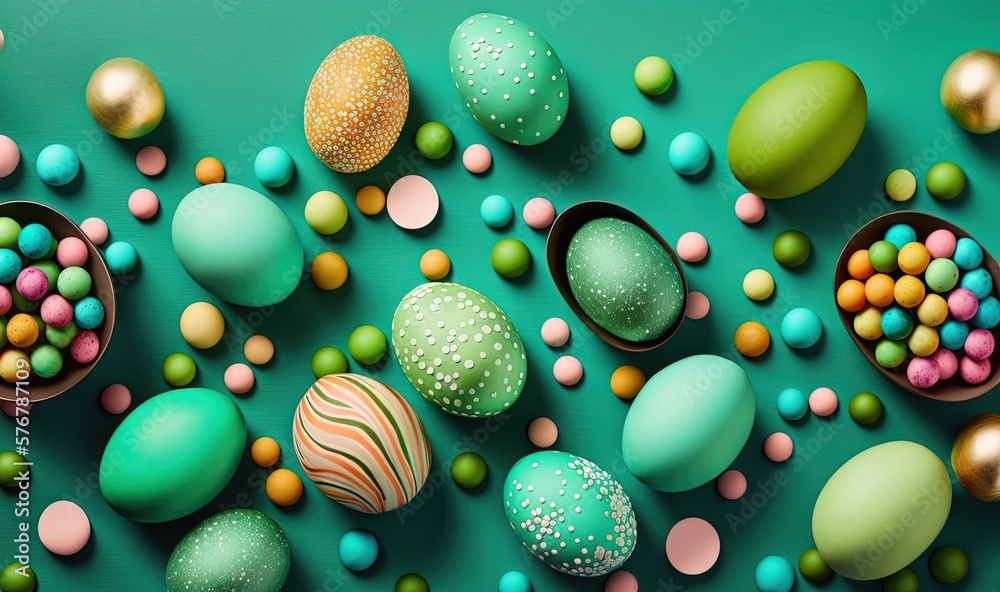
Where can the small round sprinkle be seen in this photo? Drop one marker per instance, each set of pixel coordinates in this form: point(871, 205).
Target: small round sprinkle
point(778, 447)
point(731, 485)
point(692, 247)
point(697, 306)
point(567, 370)
point(477, 159)
point(151, 161)
point(750, 208)
point(823, 402)
point(116, 398)
point(542, 432)
point(143, 204)
point(555, 332)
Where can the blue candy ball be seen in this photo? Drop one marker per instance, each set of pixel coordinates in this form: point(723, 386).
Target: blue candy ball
point(774, 574)
point(35, 241)
point(978, 281)
point(801, 328)
point(496, 211)
point(896, 323)
point(689, 153)
point(121, 257)
point(900, 235)
point(792, 404)
point(88, 313)
point(358, 550)
point(57, 165)
point(514, 581)
point(273, 166)
point(952, 334)
point(10, 265)
point(988, 313)
point(968, 254)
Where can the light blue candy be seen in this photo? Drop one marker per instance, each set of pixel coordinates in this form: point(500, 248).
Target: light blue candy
point(88, 313)
point(121, 257)
point(689, 153)
point(952, 334)
point(896, 323)
point(978, 281)
point(496, 211)
point(988, 314)
point(57, 165)
point(10, 265)
point(968, 254)
point(273, 166)
point(35, 241)
point(358, 550)
point(514, 581)
point(774, 574)
point(801, 328)
point(900, 235)
point(792, 404)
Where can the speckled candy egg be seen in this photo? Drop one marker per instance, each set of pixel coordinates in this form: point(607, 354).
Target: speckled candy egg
point(361, 443)
point(239, 550)
point(459, 349)
point(624, 279)
point(356, 104)
point(569, 513)
point(509, 77)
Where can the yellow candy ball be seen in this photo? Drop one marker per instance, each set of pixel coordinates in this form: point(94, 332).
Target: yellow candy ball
point(909, 291)
point(933, 310)
point(913, 258)
point(900, 185)
point(14, 365)
point(758, 285)
point(868, 323)
point(22, 330)
point(202, 325)
point(923, 341)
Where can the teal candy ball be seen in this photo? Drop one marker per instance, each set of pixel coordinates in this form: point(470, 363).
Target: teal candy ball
point(121, 258)
point(57, 165)
point(968, 254)
point(10, 265)
point(988, 314)
point(896, 323)
point(514, 581)
point(978, 281)
point(801, 328)
point(34, 240)
point(273, 166)
point(952, 334)
point(88, 312)
point(900, 235)
point(434, 140)
point(239, 550)
point(358, 550)
point(237, 244)
point(774, 574)
point(792, 404)
point(496, 211)
point(689, 153)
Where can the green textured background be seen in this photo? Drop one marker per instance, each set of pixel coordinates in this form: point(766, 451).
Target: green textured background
point(235, 75)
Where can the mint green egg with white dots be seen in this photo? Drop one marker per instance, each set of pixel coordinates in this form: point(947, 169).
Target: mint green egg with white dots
point(509, 78)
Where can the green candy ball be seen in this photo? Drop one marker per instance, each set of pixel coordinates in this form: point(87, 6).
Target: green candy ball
point(18, 578)
point(61, 336)
point(904, 580)
point(3, 331)
point(865, 408)
point(22, 304)
point(468, 470)
point(328, 360)
point(882, 255)
point(46, 361)
point(73, 283)
point(412, 582)
point(179, 369)
point(9, 469)
point(510, 258)
point(889, 353)
point(941, 275)
point(9, 229)
point(812, 566)
point(791, 248)
point(367, 344)
point(434, 140)
point(949, 564)
point(945, 180)
point(653, 76)
point(900, 185)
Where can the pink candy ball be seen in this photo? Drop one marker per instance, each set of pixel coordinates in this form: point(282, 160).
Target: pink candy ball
point(947, 362)
point(979, 344)
point(567, 370)
point(750, 208)
point(962, 304)
point(151, 161)
point(823, 401)
point(940, 244)
point(56, 311)
point(10, 156)
point(621, 581)
point(95, 229)
point(239, 378)
point(974, 371)
point(477, 158)
point(116, 398)
point(538, 213)
point(543, 432)
point(72, 252)
point(923, 372)
point(143, 204)
point(697, 306)
point(6, 300)
point(84, 347)
point(731, 485)
point(63, 528)
point(692, 247)
point(555, 332)
point(32, 283)
point(778, 447)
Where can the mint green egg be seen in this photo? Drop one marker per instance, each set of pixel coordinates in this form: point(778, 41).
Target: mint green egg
point(797, 129)
point(237, 244)
point(881, 510)
point(509, 78)
point(688, 423)
point(172, 454)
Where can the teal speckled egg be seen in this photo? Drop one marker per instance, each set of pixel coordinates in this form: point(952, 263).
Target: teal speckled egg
point(570, 513)
point(509, 78)
point(624, 279)
point(459, 350)
point(688, 423)
point(239, 550)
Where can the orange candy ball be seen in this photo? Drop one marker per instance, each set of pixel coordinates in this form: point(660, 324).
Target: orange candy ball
point(329, 271)
point(627, 381)
point(283, 487)
point(210, 170)
point(265, 452)
point(370, 200)
point(752, 339)
point(851, 296)
point(22, 330)
point(859, 267)
point(879, 289)
point(434, 264)
point(913, 258)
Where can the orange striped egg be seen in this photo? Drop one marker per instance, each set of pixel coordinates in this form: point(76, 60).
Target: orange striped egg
point(356, 104)
point(361, 443)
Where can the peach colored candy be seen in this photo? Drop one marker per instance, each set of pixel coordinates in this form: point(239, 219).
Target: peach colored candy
point(731, 485)
point(693, 546)
point(63, 528)
point(239, 378)
point(750, 208)
point(823, 401)
point(778, 447)
point(697, 306)
point(621, 581)
point(542, 432)
point(143, 204)
point(555, 332)
point(567, 370)
point(538, 213)
point(477, 158)
point(692, 247)
point(95, 229)
point(116, 398)
point(72, 252)
point(151, 161)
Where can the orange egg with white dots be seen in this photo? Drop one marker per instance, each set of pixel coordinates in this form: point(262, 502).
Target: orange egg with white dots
point(356, 104)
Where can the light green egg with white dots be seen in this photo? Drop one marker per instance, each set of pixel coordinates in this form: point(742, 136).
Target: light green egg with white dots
point(509, 78)
point(459, 349)
point(569, 513)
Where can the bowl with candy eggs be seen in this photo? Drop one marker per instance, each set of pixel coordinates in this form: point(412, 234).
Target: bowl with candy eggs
point(57, 302)
point(919, 297)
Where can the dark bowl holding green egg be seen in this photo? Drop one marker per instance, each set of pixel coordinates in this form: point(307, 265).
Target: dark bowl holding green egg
point(617, 274)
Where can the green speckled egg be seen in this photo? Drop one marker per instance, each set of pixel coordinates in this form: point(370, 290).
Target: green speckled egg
point(624, 279)
point(233, 551)
point(569, 513)
point(509, 77)
point(459, 349)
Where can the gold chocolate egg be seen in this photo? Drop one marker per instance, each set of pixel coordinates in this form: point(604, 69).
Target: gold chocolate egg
point(975, 457)
point(125, 98)
point(970, 91)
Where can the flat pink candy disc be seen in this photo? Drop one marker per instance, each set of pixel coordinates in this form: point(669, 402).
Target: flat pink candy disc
point(63, 528)
point(412, 202)
point(693, 546)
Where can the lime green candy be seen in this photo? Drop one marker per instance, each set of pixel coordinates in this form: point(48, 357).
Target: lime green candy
point(813, 567)
point(889, 353)
point(367, 344)
point(326, 212)
point(22, 304)
point(900, 185)
point(945, 180)
point(865, 408)
point(18, 578)
point(73, 283)
point(434, 140)
point(510, 258)
point(179, 369)
point(468, 470)
point(9, 229)
point(10, 468)
point(626, 133)
point(791, 248)
point(941, 275)
point(328, 360)
point(904, 580)
point(412, 583)
point(50, 269)
point(61, 336)
point(3, 331)
point(46, 361)
point(882, 255)
point(949, 564)
point(653, 76)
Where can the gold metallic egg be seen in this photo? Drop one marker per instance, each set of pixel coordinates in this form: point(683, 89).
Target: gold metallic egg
point(970, 91)
point(125, 98)
point(975, 457)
